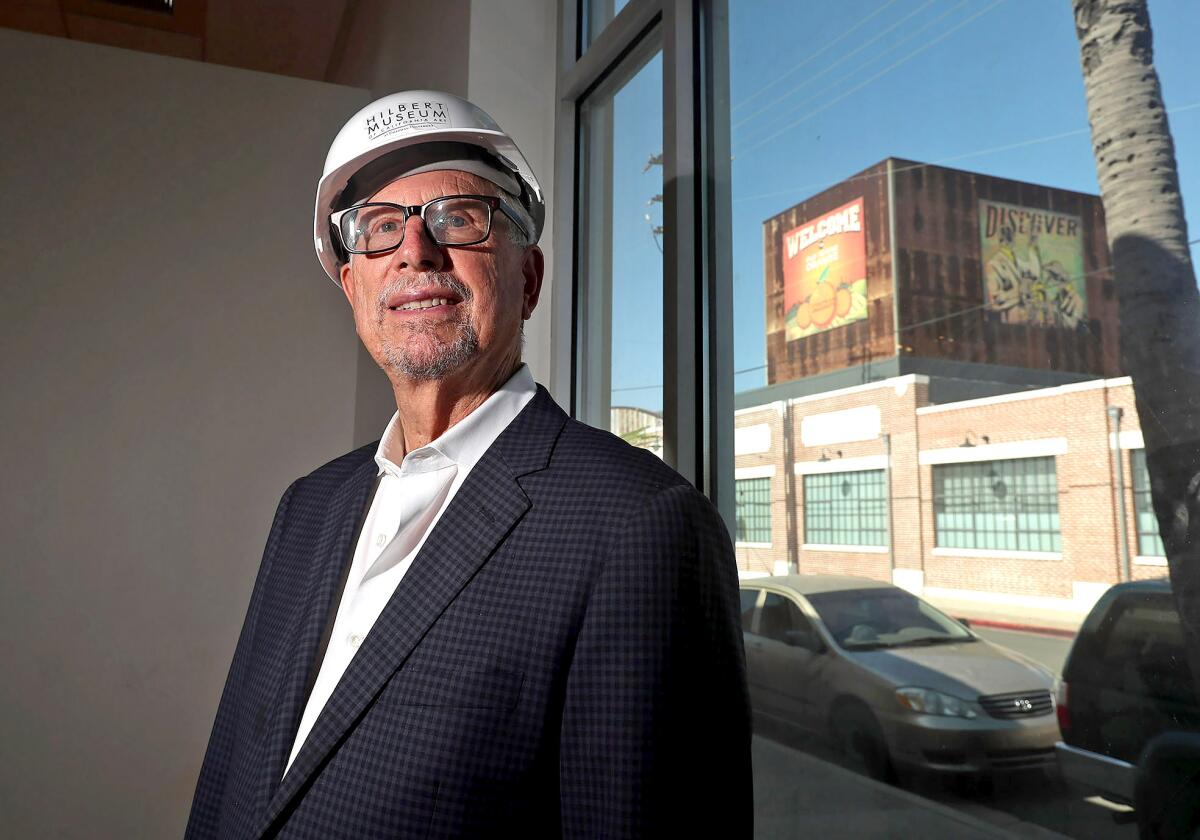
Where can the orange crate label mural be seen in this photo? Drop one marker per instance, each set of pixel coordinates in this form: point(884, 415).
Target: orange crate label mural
point(824, 272)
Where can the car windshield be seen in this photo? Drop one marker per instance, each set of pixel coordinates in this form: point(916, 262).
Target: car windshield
point(864, 619)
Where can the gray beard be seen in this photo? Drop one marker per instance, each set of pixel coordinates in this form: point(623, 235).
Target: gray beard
point(449, 356)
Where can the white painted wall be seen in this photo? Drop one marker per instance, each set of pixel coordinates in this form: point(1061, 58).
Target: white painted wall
point(172, 357)
point(513, 71)
point(500, 56)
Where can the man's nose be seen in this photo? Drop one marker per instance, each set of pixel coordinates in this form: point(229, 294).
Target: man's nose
point(418, 251)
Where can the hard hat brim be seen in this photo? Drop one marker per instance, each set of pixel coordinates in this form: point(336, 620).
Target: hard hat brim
point(334, 182)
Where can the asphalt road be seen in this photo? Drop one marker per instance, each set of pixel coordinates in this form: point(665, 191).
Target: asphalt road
point(1050, 651)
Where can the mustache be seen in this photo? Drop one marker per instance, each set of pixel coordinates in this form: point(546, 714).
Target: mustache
point(418, 281)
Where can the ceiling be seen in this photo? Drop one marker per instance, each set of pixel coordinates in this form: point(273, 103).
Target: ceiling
point(287, 37)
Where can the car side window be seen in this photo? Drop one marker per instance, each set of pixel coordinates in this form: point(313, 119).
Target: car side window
point(1143, 650)
point(749, 601)
point(783, 621)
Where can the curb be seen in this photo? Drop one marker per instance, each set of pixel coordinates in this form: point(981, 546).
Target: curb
point(1061, 632)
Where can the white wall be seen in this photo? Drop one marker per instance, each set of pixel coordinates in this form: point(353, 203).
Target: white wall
point(513, 71)
point(172, 357)
point(387, 46)
point(500, 55)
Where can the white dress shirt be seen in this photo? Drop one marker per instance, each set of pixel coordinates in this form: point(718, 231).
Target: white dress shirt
point(409, 501)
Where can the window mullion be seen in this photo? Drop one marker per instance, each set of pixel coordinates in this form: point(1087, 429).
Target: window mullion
point(682, 385)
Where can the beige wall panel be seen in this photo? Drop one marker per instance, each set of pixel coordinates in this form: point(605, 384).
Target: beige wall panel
point(173, 357)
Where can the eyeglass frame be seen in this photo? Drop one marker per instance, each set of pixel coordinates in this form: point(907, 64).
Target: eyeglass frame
point(493, 203)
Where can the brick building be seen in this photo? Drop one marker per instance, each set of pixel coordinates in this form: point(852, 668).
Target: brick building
point(943, 394)
point(906, 267)
point(1011, 497)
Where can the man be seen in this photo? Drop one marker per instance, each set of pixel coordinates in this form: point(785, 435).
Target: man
point(496, 621)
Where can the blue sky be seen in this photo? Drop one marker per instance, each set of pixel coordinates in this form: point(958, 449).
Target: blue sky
point(820, 91)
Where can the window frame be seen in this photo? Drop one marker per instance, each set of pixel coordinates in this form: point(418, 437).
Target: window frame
point(742, 539)
point(883, 501)
point(698, 404)
point(1139, 488)
point(1016, 532)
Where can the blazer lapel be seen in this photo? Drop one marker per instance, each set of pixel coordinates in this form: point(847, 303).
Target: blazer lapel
point(331, 552)
point(482, 513)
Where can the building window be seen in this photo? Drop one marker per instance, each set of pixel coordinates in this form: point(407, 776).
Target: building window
point(1149, 541)
point(847, 508)
point(997, 505)
point(752, 498)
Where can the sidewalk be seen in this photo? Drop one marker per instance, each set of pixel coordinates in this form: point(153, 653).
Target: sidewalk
point(797, 795)
point(1049, 620)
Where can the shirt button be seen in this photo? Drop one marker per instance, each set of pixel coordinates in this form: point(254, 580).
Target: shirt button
point(355, 640)
point(381, 539)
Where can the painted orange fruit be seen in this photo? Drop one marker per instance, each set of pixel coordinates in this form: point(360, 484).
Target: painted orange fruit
point(822, 305)
point(804, 316)
point(841, 302)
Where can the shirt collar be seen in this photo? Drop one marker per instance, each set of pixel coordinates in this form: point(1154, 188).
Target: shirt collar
point(464, 443)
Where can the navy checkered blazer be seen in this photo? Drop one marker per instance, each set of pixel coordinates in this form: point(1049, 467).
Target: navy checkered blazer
point(563, 658)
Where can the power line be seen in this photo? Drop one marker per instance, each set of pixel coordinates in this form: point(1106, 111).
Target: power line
point(829, 67)
point(812, 56)
point(637, 388)
point(976, 153)
point(960, 312)
point(868, 81)
point(856, 70)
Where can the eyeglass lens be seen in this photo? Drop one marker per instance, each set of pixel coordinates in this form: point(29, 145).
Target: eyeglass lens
point(454, 220)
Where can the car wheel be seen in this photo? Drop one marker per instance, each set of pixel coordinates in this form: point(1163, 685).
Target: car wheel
point(861, 741)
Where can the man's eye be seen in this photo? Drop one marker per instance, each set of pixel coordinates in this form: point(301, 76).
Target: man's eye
point(453, 221)
point(385, 226)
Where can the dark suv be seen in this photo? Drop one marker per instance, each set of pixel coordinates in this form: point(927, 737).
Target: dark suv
point(1127, 707)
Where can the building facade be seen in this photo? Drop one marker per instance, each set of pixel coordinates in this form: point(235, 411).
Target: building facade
point(913, 268)
point(1034, 496)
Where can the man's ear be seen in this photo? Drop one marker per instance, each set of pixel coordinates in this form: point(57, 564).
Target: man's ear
point(533, 266)
point(347, 282)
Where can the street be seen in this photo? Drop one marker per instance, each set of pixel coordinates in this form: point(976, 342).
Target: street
point(1032, 804)
point(1047, 650)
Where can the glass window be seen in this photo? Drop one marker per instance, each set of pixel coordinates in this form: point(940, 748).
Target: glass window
point(749, 600)
point(912, 258)
point(753, 498)
point(997, 505)
point(848, 508)
point(884, 617)
point(782, 620)
point(1149, 542)
point(1142, 649)
point(595, 15)
point(620, 337)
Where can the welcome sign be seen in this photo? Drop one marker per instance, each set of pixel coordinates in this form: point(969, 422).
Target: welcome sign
point(825, 272)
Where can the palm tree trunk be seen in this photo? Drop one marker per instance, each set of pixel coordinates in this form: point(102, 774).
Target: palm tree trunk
point(1155, 280)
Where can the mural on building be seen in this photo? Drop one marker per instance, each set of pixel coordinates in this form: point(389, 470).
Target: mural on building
point(824, 272)
point(1033, 265)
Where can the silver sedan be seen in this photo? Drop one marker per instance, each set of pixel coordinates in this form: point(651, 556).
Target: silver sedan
point(896, 683)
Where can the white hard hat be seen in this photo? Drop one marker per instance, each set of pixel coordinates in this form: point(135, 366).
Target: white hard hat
point(433, 126)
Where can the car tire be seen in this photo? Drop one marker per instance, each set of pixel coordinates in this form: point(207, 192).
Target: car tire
point(861, 741)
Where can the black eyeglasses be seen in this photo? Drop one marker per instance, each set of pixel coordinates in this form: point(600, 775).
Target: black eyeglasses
point(377, 226)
